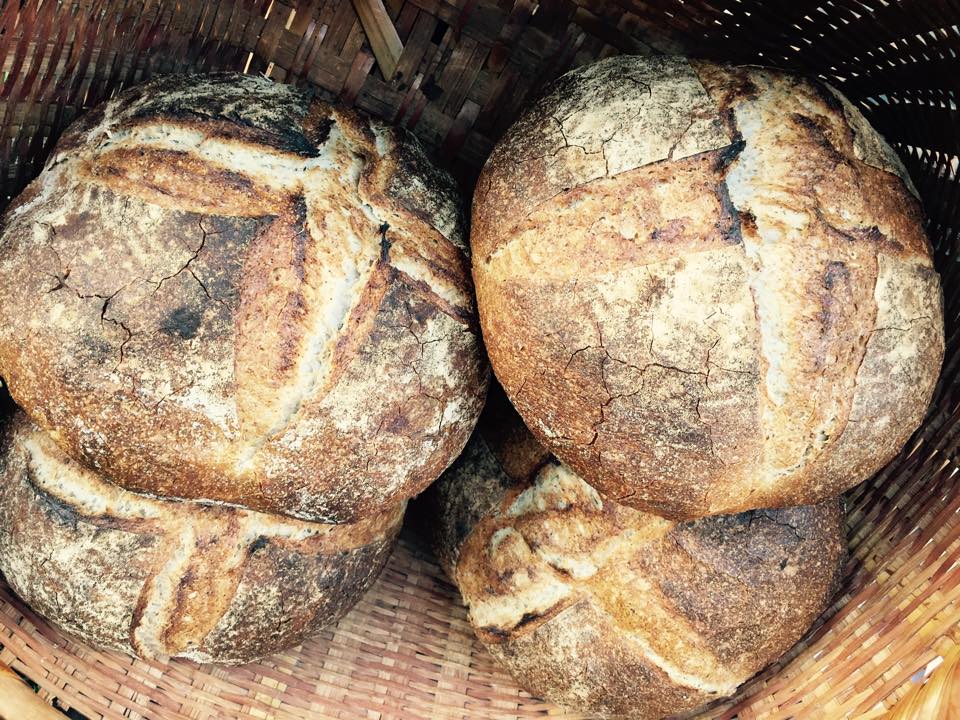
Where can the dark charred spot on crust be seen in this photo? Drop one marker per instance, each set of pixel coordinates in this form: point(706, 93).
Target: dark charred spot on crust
point(185, 580)
point(731, 221)
point(746, 88)
point(730, 120)
point(258, 544)
point(301, 236)
point(873, 234)
point(495, 632)
point(322, 132)
point(527, 619)
point(730, 153)
point(836, 272)
point(669, 232)
point(826, 97)
point(235, 181)
point(384, 242)
point(420, 312)
point(60, 512)
point(819, 136)
point(183, 322)
point(749, 221)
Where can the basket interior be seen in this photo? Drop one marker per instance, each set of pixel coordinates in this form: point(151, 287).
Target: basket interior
point(467, 68)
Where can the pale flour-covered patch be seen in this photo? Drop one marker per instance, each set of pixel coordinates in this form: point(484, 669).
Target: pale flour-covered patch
point(747, 188)
point(420, 269)
point(552, 490)
point(605, 128)
point(160, 600)
point(531, 599)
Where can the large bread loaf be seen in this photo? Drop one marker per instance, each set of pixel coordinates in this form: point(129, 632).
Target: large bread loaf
point(221, 289)
point(608, 610)
point(160, 578)
point(706, 289)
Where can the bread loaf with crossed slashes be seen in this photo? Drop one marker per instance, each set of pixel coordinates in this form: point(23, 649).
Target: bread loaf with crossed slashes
point(165, 578)
point(607, 610)
point(221, 288)
point(706, 288)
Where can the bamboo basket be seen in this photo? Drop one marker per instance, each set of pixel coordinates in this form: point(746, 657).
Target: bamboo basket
point(457, 72)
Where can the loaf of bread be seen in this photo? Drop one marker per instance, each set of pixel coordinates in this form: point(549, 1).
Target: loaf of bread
point(161, 578)
point(706, 289)
point(221, 289)
point(608, 610)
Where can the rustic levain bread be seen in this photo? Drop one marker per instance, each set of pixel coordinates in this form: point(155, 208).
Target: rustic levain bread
point(221, 289)
point(160, 578)
point(612, 611)
point(707, 289)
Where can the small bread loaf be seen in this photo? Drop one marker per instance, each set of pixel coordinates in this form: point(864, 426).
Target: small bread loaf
point(706, 289)
point(607, 610)
point(219, 288)
point(161, 578)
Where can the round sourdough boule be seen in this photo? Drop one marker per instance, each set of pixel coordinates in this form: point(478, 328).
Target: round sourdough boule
point(611, 611)
point(706, 289)
point(161, 578)
point(219, 288)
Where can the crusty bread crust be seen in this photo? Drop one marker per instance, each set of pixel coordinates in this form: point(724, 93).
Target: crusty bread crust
point(161, 578)
point(610, 611)
point(222, 289)
point(706, 289)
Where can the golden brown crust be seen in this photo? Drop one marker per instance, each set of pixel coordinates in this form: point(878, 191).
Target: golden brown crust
point(713, 329)
point(161, 578)
point(610, 611)
point(213, 273)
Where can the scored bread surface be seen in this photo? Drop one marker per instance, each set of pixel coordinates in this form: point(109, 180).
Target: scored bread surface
point(608, 610)
point(161, 578)
point(706, 288)
point(259, 298)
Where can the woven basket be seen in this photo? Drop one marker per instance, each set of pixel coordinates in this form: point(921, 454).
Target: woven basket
point(460, 71)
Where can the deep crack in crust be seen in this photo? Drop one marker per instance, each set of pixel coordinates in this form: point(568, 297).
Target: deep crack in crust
point(701, 329)
point(666, 616)
point(197, 281)
point(160, 578)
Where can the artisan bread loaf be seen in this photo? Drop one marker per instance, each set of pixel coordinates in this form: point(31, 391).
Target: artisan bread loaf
point(219, 288)
point(706, 288)
point(161, 578)
point(607, 610)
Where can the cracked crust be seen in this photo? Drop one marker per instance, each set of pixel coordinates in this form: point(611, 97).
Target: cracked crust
point(741, 312)
point(221, 289)
point(666, 617)
point(165, 578)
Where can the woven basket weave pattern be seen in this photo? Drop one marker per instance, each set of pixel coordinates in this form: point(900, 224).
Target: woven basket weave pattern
point(466, 70)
